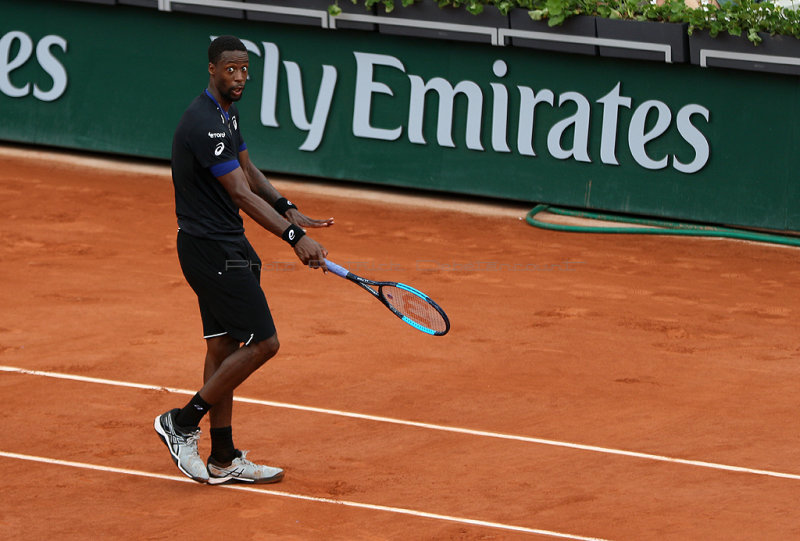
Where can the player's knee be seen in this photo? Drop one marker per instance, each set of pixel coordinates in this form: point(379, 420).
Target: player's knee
point(220, 347)
point(266, 349)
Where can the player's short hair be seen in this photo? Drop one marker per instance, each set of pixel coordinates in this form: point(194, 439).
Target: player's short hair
point(222, 44)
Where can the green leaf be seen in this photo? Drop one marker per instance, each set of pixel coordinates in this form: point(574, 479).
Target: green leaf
point(556, 9)
point(537, 14)
point(475, 8)
point(752, 35)
point(556, 20)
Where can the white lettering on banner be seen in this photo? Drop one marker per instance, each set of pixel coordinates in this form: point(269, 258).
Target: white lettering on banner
point(580, 122)
point(527, 121)
point(447, 93)
point(499, 109)
point(365, 87)
point(577, 124)
point(694, 137)
point(52, 66)
point(608, 140)
point(44, 57)
point(7, 64)
point(638, 138)
point(567, 138)
point(269, 89)
point(297, 103)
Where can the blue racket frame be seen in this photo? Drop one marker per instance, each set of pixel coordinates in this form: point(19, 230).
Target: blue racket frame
point(366, 284)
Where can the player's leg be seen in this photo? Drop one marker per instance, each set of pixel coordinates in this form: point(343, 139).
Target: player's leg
point(236, 368)
point(181, 437)
point(219, 348)
point(225, 277)
point(234, 309)
point(226, 463)
point(226, 366)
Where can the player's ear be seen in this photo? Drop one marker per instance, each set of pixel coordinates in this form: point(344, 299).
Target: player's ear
point(211, 68)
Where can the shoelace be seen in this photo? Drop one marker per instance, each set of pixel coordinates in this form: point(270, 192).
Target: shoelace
point(244, 461)
point(189, 439)
point(192, 438)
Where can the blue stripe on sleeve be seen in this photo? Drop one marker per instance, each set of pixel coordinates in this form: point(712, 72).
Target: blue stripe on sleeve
point(219, 169)
point(243, 147)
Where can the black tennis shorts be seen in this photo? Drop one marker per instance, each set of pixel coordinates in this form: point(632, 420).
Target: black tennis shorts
point(226, 276)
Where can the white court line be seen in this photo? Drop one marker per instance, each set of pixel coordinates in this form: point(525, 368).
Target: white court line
point(443, 428)
point(266, 492)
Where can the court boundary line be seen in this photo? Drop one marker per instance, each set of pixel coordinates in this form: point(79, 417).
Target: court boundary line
point(418, 424)
point(302, 497)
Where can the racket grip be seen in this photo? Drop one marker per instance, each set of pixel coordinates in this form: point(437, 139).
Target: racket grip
point(336, 269)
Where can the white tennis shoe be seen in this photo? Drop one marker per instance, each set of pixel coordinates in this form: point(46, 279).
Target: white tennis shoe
point(242, 470)
point(182, 446)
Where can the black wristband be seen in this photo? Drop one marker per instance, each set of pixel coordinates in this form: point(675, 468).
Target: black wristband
point(282, 205)
point(292, 235)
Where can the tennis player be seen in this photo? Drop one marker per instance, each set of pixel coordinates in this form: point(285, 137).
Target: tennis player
point(213, 178)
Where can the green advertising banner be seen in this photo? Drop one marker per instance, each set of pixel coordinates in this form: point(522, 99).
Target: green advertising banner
point(667, 140)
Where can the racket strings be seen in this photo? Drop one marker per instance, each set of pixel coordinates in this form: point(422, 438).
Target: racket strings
point(415, 308)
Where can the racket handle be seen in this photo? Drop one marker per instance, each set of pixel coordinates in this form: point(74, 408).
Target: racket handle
point(336, 269)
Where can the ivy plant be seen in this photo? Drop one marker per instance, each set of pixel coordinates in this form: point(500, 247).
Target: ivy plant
point(737, 17)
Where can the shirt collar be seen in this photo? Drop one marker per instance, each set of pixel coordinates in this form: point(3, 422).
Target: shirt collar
point(223, 111)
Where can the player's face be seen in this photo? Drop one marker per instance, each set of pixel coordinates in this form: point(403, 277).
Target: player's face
point(229, 75)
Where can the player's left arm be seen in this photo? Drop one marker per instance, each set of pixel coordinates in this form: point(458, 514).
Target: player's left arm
point(263, 188)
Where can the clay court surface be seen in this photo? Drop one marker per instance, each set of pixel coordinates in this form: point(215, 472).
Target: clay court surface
point(592, 386)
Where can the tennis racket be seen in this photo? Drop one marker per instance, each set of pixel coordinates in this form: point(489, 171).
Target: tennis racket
point(409, 304)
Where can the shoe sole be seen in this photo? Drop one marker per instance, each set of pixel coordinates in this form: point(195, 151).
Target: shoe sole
point(164, 438)
point(230, 480)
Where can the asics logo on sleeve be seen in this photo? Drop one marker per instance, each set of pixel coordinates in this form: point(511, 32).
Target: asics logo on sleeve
point(219, 148)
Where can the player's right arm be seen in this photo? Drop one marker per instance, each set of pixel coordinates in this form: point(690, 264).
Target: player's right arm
point(235, 183)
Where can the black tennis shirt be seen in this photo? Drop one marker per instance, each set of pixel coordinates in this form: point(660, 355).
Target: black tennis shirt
point(205, 146)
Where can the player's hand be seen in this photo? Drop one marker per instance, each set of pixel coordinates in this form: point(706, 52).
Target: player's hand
point(301, 220)
point(311, 253)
